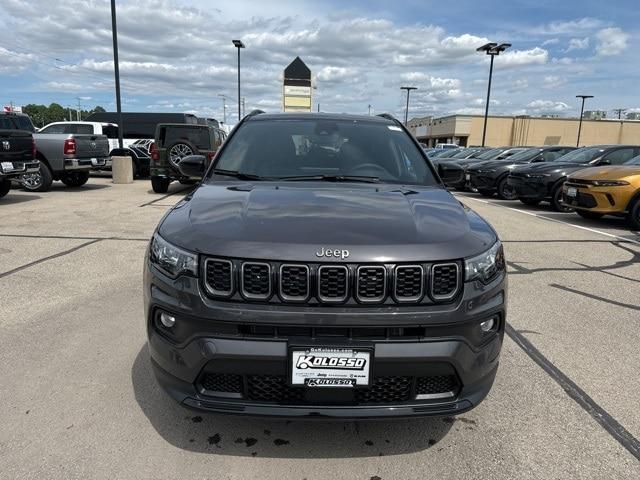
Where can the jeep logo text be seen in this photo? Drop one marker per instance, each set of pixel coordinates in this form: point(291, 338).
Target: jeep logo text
point(326, 252)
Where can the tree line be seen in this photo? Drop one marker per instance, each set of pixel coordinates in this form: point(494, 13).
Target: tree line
point(42, 115)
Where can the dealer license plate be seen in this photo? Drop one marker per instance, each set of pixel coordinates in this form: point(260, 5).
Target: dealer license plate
point(330, 367)
point(572, 192)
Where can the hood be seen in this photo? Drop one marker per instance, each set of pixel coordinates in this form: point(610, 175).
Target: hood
point(551, 167)
point(608, 172)
point(492, 164)
point(291, 221)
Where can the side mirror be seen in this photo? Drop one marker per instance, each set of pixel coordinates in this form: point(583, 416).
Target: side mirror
point(192, 166)
point(604, 161)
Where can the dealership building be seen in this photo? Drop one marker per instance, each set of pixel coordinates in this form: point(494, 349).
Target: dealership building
point(466, 130)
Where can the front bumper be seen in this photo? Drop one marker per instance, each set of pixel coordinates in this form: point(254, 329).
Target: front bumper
point(215, 340)
point(481, 181)
point(15, 169)
point(529, 187)
point(605, 200)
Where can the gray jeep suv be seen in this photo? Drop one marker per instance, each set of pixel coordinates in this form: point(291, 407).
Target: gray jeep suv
point(321, 269)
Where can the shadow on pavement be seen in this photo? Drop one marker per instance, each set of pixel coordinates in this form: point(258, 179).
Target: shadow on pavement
point(12, 198)
point(279, 438)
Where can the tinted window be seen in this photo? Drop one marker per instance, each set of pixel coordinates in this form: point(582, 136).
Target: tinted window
point(582, 155)
point(525, 155)
point(24, 123)
point(53, 129)
point(489, 154)
point(618, 157)
point(5, 123)
point(80, 128)
point(110, 131)
point(199, 137)
point(633, 161)
point(284, 148)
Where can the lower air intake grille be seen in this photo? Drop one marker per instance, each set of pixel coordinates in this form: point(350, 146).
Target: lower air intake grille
point(444, 280)
point(272, 388)
point(438, 384)
point(386, 390)
point(222, 382)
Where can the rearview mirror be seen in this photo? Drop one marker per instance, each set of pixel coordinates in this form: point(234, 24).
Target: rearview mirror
point(192, 166)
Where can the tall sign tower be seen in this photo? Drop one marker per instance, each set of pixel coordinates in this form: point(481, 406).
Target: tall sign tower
point(296, 89)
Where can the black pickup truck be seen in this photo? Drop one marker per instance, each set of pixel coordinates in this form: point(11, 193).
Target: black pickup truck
point(17, 153)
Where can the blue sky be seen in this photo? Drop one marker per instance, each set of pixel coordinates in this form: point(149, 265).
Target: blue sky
point(176, 55)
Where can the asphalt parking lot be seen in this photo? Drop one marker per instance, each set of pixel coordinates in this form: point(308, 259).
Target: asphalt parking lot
point(79, 401)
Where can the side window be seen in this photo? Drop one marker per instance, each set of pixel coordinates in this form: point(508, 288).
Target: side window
point(618, 157)
point(24, 123)
point(84, 129)
point(53, 129)
point(549, 156)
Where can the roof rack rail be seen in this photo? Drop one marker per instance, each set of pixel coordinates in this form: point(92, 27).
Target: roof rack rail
point(388, 116)
point(253, 113)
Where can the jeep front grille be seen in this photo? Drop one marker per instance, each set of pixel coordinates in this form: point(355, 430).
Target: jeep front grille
point(333, 283)
point(256, 280)
point(340, 284)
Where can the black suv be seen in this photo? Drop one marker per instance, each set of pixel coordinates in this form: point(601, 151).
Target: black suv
point(543, 181)
point(321, 269)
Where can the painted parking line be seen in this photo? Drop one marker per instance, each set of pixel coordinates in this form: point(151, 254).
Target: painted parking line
point(533, 214)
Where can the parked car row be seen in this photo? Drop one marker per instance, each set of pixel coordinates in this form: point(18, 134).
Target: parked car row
point(562, 176)
point(69, 151)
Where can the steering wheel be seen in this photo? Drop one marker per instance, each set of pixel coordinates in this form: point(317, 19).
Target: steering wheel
point(368, 167)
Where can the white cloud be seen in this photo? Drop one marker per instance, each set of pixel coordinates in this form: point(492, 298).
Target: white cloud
point(611, 41)
point(570, 26)
point(519, 58)
point(546, 106)
point(552, 82)
point(578, 44)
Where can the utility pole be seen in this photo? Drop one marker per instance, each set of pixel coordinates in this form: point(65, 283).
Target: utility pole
point(238, 44)
point(406, 111)
point(224, 107)
point(116, 69)
point(583, 97)
point(619, 111)
point(79, 110)
point(369, 109)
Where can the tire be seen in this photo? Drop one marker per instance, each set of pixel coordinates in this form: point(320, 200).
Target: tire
point(75, 179)
point(160, 184)
point(178, 150)
point(532, 202)
point(588, 214)
point(506, 192)
point(633, 217)
point(135, 167)
point(556, 195)
point(5, 186)
point(486, 193)
point(37, 182)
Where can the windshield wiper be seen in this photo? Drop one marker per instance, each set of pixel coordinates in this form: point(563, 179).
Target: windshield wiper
point(240, 175)
point(331, 178)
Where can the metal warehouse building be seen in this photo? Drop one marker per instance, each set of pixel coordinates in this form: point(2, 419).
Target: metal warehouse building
point(466, 130)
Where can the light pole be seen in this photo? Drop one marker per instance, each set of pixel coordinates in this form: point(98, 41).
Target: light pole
point(224, 107)
point(369, 109)
point(583, 97)
point(116, 69)
point(238, 44)
point(492, 49)
point(406, 111)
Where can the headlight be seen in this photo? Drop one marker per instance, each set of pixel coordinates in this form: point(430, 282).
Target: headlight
point(609, 183)
point(491, 170)
point(172, 260)
point(538, 175)
point(485, 266)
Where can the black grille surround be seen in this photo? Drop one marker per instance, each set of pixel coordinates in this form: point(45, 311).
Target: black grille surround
point(384, 390)
point(331, 284)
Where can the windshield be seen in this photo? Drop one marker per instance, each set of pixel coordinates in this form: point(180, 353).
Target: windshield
point(325, 147)
point(462, 153)
point(489, 154)
point(582, 155)
point(525, 155)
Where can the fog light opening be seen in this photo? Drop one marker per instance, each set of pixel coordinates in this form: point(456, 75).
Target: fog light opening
point(489, 325)
point(167, 320)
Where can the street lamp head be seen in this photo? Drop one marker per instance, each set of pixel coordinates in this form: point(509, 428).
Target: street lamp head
point(486, 47)
point(238, 43)
point(408, 88)
point(584, 96)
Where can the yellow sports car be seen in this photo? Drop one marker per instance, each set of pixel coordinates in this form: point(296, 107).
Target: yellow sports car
point(609, 190)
